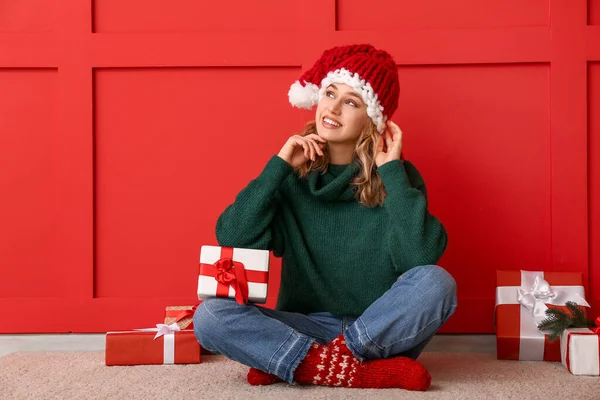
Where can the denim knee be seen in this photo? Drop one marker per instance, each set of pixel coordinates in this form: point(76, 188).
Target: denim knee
point(208, 319)
point(441, 279)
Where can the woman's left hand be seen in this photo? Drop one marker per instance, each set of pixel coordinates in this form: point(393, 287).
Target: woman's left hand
point(393, 144)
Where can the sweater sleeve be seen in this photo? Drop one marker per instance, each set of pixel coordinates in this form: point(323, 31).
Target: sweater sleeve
point(416, 237)
point(250, 222)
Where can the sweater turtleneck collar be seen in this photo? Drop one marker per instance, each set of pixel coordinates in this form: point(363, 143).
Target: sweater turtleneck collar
point(334, 184)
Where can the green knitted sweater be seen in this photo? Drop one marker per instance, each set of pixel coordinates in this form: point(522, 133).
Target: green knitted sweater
point(337, 255)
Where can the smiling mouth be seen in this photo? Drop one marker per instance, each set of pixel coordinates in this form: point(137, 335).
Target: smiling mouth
point(330, 123)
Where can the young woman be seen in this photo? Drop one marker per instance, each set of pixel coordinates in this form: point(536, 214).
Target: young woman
point(360, 293)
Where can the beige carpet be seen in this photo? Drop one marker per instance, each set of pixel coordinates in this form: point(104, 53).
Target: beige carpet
point(83, 375)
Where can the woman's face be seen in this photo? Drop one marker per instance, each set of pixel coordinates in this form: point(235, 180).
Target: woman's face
point(341, 114)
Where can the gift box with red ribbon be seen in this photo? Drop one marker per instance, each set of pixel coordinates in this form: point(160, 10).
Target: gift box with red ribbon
point(522, 298)
point(180, 315)
point(165, 344)
point(233, 272)
point(580, 350)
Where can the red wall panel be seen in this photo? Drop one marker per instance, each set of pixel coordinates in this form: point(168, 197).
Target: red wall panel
point(126, 127)
point(354, 15)
point(593, 12)
point(28, 16)
point(194, 16)
point(28, 196)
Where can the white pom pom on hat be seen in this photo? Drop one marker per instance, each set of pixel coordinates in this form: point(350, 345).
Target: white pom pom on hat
point(303, 96)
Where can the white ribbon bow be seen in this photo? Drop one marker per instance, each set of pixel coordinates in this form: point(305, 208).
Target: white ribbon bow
point(162, 329)
point(536, 297)
point(539, 294)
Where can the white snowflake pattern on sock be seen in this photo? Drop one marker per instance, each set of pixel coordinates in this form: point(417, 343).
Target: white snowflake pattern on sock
point(320, 367)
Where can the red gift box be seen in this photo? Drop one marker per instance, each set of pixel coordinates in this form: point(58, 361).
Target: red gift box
point(143, 347)
point(521, 300)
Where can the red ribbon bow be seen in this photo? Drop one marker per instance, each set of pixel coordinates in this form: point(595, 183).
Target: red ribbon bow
point(185, 313)
point(232, 273)
point(596, 330)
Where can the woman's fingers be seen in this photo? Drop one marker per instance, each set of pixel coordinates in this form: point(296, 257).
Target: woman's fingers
point(396, 131)
point(300, 142)
point(311, 145)
point(316, 147)
point(319, 148)
point(316, 138)
point(309, 148)
point(313, 151)
point(395, 134)
point(389, 142)
point(306, 147)
point(316, 143)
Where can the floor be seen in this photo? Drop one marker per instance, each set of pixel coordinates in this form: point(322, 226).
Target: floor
point(95, 342)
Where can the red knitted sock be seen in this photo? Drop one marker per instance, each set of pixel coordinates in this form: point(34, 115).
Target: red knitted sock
point(335, 365)
point(257, 377)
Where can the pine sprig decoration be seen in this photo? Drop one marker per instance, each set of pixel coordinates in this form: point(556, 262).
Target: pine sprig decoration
point(558, 320)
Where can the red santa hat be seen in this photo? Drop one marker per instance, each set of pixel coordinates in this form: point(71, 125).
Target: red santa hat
point(372, 73)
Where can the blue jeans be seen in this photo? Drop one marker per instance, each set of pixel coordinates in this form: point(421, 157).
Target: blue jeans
point(401, 322)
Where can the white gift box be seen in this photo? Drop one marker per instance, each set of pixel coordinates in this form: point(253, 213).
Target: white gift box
point(221, 269)
point(580, 351)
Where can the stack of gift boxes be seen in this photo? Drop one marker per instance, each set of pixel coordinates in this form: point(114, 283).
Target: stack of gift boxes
point(522, 298)
point(238, 273)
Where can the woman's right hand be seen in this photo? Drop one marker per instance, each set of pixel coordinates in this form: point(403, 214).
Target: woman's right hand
point(299, 149)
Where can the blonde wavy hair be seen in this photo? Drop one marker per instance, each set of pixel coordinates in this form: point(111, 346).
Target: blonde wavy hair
point(367, 185)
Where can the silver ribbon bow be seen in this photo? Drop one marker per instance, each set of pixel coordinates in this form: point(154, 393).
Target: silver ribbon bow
point(162, 329)
point(536, 297)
